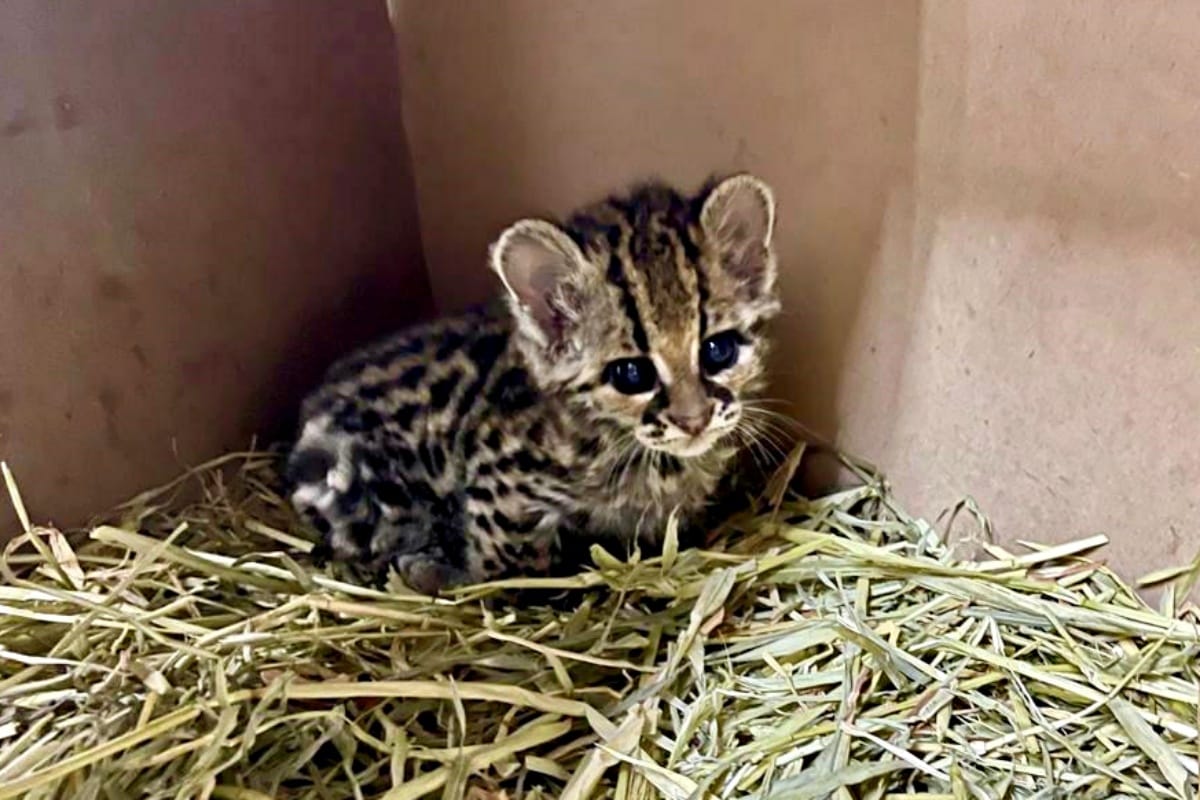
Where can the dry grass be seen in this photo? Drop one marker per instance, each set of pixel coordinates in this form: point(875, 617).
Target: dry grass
point(829, 648)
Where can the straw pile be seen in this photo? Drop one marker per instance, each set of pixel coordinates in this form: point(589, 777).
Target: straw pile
point(828, 648)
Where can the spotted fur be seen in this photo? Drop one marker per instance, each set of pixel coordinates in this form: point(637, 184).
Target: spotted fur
point(485, 444)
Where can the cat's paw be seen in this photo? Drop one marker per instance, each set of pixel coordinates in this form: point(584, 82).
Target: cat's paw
point(428, 575)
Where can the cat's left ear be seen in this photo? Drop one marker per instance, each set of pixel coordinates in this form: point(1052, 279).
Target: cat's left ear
point(543, 271)
point(738, 218)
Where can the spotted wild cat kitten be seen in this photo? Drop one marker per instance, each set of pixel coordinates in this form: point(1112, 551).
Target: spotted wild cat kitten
point(598, 397)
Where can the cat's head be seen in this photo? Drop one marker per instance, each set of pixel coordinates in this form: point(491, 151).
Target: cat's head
point(647, 310)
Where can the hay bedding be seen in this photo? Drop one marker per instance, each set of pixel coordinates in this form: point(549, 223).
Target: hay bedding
point(831, 648)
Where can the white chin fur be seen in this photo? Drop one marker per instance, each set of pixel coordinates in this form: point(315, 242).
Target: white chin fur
point(688, 447)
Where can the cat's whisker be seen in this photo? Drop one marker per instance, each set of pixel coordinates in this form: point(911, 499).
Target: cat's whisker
point(762, 458)
point(764, 429)
point(769, 440)
point(748, 445)
point(768, 401)
point(790, 423)
point(774, 425)
point(629, 450)
point(767, 413)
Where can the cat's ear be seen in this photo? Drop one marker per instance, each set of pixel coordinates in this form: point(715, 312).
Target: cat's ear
point(738, 218)
point(543, 271)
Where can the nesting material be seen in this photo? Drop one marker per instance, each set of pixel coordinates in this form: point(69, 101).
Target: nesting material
point(826, 648)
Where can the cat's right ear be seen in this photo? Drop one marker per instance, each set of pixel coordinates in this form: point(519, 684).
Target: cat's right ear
point(542, 269)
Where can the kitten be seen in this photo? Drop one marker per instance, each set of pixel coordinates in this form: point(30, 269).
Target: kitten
point(600, 393)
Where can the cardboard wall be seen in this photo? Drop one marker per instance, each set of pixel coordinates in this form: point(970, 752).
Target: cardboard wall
point(200, 203)
point(1041, 346)
point(988, 217)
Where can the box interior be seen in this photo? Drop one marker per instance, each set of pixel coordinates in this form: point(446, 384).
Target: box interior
point(988, 217)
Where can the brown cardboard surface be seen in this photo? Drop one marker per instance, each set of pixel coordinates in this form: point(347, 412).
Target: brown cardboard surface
point(1051, 341)
point(988, 217)
point(199, 204)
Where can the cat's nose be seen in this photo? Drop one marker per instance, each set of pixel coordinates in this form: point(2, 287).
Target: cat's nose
point(692, 422)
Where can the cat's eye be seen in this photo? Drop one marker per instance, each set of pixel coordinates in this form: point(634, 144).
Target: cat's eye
point(719, 351)
point(631, 375)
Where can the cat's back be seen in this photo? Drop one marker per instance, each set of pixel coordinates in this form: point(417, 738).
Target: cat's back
point(387, 440)
point(424, 378)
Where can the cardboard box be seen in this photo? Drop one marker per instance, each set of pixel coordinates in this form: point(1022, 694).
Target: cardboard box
point(988, 217)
